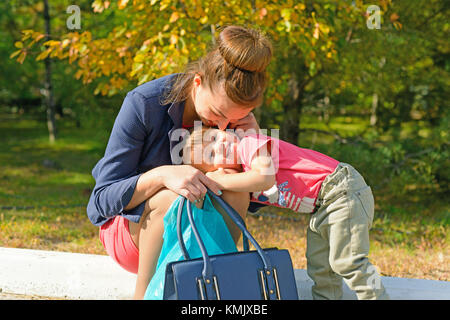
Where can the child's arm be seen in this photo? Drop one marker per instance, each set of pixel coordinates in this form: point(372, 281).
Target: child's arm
point(261, 176)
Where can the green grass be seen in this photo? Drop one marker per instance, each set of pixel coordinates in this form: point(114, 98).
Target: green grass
point(409, 236)
point(28, 181)
point(23, 158)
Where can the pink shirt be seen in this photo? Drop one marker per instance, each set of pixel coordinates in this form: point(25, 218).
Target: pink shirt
point(299, 172)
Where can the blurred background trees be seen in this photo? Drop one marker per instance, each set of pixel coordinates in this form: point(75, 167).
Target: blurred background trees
point(375, 98)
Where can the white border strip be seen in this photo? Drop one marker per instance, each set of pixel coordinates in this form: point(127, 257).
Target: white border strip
point(88, 276)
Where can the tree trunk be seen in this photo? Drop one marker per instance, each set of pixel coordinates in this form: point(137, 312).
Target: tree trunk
point(373, 112)
point(290, 128)
point(48, 90)
point(291, 123)
point(326, 110)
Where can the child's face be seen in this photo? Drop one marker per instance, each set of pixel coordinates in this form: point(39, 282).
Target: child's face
point(220, 150)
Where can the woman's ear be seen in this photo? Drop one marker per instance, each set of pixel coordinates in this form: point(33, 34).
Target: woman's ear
point(197, 80)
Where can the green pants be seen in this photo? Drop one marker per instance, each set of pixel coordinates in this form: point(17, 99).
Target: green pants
point(338, 238)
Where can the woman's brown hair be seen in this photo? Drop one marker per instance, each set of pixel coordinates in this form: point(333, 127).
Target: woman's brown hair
point(238, 61)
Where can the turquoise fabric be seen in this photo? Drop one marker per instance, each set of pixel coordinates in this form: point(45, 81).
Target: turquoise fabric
point(212, 229)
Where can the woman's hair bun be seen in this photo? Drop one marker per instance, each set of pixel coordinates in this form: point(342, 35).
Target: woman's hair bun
point(245, 49)
point(236, 61)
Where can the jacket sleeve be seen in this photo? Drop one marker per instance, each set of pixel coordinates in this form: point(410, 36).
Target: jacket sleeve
point(116, 174)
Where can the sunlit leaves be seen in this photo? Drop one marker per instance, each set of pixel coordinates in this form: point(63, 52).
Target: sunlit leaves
point(164, 35)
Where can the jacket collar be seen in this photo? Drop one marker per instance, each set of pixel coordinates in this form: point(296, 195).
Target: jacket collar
point(175, 112)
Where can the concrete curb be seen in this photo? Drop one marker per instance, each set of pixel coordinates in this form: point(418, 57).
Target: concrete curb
point(98, 277)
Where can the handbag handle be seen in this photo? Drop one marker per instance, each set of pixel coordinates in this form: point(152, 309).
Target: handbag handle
point(179, 232)
point(207, 272)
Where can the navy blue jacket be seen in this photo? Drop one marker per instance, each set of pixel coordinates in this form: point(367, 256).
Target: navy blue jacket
point(139, 141)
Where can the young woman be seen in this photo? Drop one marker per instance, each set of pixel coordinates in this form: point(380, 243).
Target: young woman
point(136, 180)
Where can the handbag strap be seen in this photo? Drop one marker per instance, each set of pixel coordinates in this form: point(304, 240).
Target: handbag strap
point(179, 232)
point(237, 219)
point(223, 204)
point(207, 272)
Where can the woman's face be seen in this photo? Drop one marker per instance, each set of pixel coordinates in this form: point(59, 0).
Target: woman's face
point(216, 109)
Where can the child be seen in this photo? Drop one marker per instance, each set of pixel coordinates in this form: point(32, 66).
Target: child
point(284, 175)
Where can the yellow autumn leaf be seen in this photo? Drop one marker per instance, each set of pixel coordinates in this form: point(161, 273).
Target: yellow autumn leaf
point(52, 43)
point(39, 37)
point(15, 54)
point(21, 57)
point(78, 74)
point(122, 4)
point(394, 17)
point(397, 25)
point(262, 13)
point(105, 89)
point(174, 17)
point(316, 31)
point(65, 43)
point(18, 44)
point(324, 29)
point(163, 6)
point(173, 39)
point(27, 31)
point(43, 55)
point(97, 6)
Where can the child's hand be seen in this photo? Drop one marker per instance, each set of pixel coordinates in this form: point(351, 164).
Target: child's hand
point(247, 123)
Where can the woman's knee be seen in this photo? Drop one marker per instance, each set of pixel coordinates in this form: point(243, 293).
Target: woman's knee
point(163, 195)
point(154, 211)
point(161, 201)
point(157, 205)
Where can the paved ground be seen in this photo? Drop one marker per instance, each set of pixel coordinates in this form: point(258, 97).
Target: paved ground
point(13, 296)
point(48, 274)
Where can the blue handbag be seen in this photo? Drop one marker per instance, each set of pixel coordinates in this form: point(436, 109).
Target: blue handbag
point(211, 227)
point(248, 275)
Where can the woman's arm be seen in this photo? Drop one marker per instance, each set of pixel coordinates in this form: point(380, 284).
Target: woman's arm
point(116, 174)
point(147, 185)
point(120, 187)
point(182, 179)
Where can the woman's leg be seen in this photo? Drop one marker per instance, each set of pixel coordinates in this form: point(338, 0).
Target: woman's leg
point(148, 237)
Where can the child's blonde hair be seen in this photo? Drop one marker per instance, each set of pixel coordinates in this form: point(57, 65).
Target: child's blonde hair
point(196, 138)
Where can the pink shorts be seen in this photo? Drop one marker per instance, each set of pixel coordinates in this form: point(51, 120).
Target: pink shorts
point(116, 238)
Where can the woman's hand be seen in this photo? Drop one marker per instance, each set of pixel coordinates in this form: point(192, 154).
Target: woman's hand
point(187, 181)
